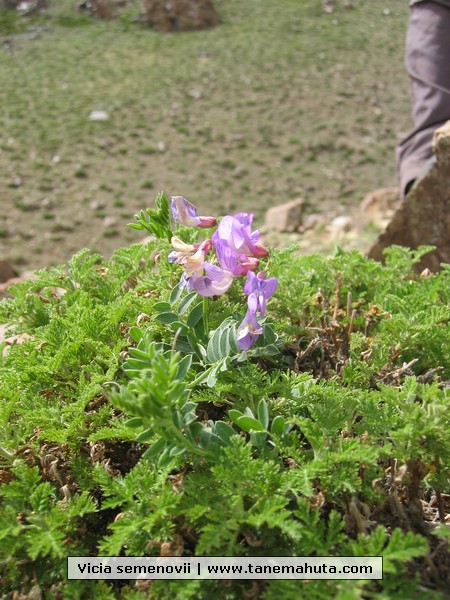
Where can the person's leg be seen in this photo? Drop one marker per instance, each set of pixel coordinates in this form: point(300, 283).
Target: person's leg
point(428, 64)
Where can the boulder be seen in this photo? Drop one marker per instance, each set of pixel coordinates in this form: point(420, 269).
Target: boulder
point(423, 218)
point(7, 271)
point(180, 15)
point(285, 217)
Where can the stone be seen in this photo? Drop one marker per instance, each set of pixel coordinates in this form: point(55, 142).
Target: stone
point(285, 217)
point(105, 9)
point(340, 226)
point(423, 217)
point(7, 271)
point(312, 221)
point(341, 223)
point(180, 15)
point(110, 221)
point(98, 115)
point(24, 7)
point(96, 205)
point(380, 202)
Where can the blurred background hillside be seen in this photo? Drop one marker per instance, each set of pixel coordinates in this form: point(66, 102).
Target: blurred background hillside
point(283, 99)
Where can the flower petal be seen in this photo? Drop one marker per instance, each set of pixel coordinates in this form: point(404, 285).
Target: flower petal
point(215, 283)
point(186, 213)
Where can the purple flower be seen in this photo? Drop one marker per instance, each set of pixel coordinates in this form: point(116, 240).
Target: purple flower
point(237, 232)
point(189, 256)
point(214, 283)
point(229, 260)
point(261, 288)
point(186, 213)
point(181, 250)
point(194, 263)
point(249, 330)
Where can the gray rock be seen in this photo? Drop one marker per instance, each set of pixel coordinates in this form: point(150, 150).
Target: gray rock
point(423, 217)
point(340, 225)
point(285, 217)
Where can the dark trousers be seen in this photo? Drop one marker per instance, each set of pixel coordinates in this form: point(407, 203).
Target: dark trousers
point(428, 64)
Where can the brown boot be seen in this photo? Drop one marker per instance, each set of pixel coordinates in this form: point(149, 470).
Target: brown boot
point(424, 215)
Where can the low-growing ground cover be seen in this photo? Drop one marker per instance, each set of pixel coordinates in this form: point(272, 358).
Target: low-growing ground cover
point(132, 423)
point(280, 100)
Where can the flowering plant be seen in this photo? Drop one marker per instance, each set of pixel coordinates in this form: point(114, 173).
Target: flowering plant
point(233, 251)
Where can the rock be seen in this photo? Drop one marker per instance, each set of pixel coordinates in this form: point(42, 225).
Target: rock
point(24, 7)
point(380, 202)
point(99, 115)
point(7, 271)
point(105, 9)
point(5, 285)
point(312, 222)
point(340, 225)
point(11, 339)
point(96, 205)
point(379, 206)
point(16, 182)
point(180, 15)
point(285, 217)
point(441, 146)
point(110, 221)
point(423, 217)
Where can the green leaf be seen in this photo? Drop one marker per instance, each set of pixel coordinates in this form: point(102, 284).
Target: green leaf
point(248, 424)
point(224, 432)
point(145, 436)
point(186, 302)
point(264, 351)
point(219, 346)
point(165, 458)
point(179, 326)
point(134, 423)
point(278, 425)
point(269, 334)
point(167, 317)
point(162, 307)
point(205, 437)
point(189, 418)
point(195, 346)
point(258, 438)
point(155, 449)
point(140, 354)
point(175, 294)
point(211, 380)
point(195, 429)
point(235, 415)
point(177, 450)
point(184, 366)
point(263, 413)
point(136, 334)
point(195, 315)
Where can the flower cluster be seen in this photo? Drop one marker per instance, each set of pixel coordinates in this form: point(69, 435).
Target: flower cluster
point(237, 254)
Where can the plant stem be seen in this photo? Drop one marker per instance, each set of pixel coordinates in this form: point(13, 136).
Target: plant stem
point(5, 454)
point(205, 316)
